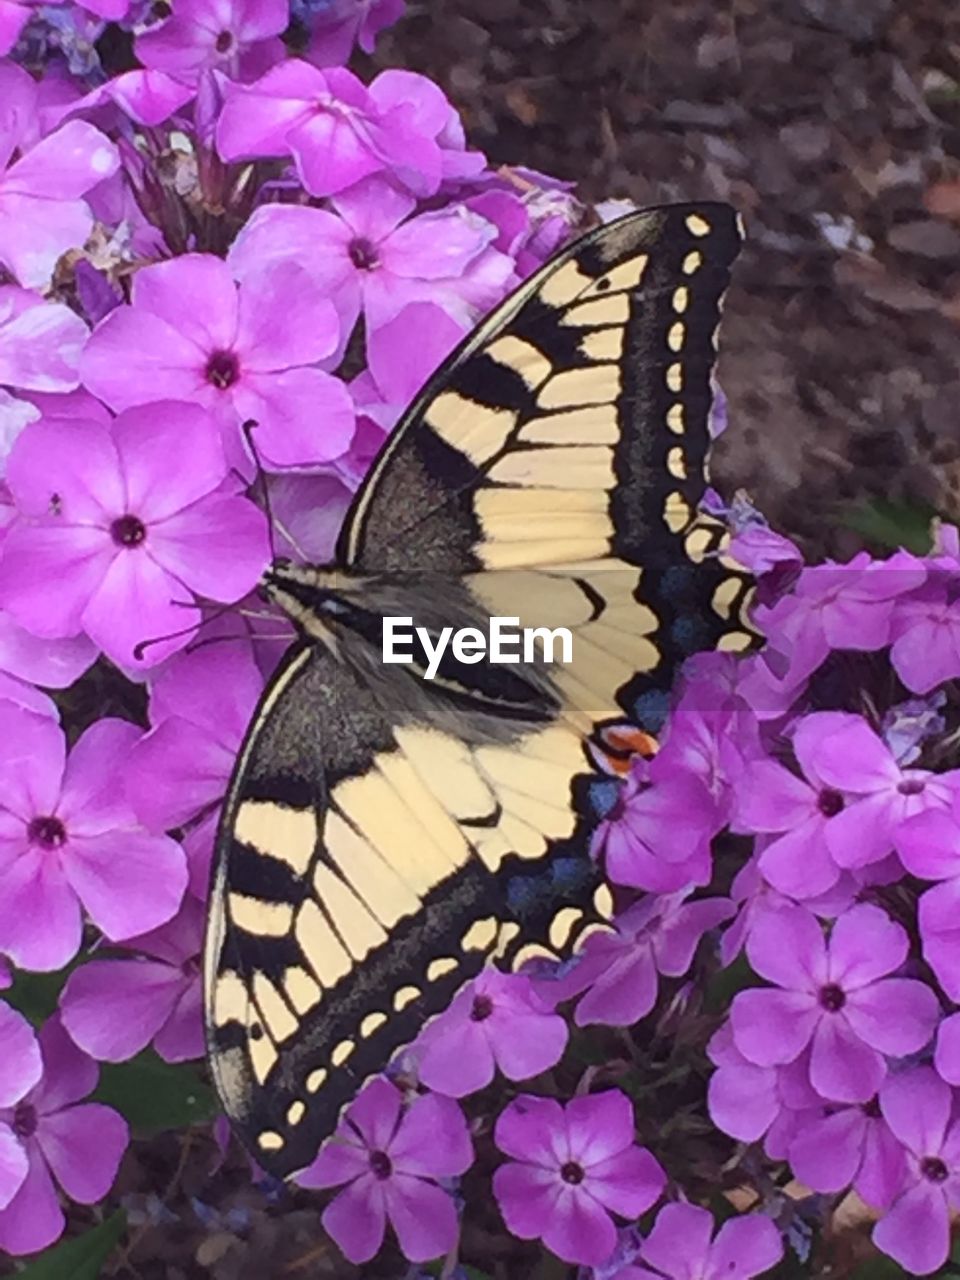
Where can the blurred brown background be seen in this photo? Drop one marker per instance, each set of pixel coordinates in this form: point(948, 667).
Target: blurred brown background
point(834, 126)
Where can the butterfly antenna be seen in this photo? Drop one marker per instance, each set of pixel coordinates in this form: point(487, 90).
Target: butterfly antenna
point(248, 428)
point(141, 647)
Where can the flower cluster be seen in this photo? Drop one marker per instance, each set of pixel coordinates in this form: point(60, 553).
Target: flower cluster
point(228, 264)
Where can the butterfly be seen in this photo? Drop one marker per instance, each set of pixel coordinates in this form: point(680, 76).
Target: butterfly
point(385, 836)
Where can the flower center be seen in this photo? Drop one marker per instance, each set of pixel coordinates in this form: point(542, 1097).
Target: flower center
point(572, 1172)
point(223, 368)
point(363, 254)
point(830, 802)
point(872, 1109)
point(128, 531)
point(160, 9)
point(50, 832)
point(911, 786)
point(224, 42)
point(832, 998)
point(482, 1008)
point(25, 1120)
point(933, 1169)
point(380, 1165)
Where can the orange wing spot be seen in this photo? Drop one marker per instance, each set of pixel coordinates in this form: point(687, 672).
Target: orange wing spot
point(619, 743)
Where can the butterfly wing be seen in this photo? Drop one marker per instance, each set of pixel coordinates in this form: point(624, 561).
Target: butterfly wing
point(373, 853)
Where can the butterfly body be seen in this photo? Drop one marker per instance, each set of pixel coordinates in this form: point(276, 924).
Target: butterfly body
point(386, 834)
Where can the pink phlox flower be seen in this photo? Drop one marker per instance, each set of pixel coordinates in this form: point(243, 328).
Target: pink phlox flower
point(78, 1144)
point(200, 706)
point(926, 634)
point(849, 1146)
point(839, 606)
point(69, 840)
point(797, 812)
point(55, 664)
point(238, 37)
point(714, 744)
point(308, 511)
point(497, 1021)
point(929, 847)
point(834, 996)
point(852, 760)
point(114, 1008)
point(749, 1102)
point(391, 1159)
point(572, 1167)
point(946, 1057)
point(656, 836)
point(552, 212)
point(21, 1066)
point(337, 26)
point(13, 18)
point(147, 97)
point(132, 524)
point(433, 116)
point(40, 342)
point(244, 352)
point(401, 356)
point(370, 255)
point(682, 1246)
point(619, 971)
point(331, 125)
point(918, 1107)
point(755, 897)
point(42, 211)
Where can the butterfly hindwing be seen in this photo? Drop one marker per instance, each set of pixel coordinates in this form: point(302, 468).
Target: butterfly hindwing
point(383, 836)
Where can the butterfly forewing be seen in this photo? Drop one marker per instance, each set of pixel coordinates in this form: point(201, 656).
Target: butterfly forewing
point(383, 837)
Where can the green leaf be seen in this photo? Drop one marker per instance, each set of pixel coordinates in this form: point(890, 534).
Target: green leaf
point(36, 994)
point(879, 1268)
point(723, 986)
point(893, 524)
point(79, 1259)
point(155, 1095)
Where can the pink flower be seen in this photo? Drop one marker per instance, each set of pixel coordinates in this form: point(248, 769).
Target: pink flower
point(370, 254)
point(68, 840)
point(331, 125)
point(244, 353)
point(498, 1020)
point(750, 1102)
point(55, 664)
point(130, 524)
point(114, 1008)
point(681, 1246)
point(40, 342)
point(656, 834)
point(13, 18)
point(946, 1056)
point(237, 37)
point(929, 847)
point(849, 1146)
point(573, 1166)
point(342, 23)
point(79, 1144)
point(833, 996)
point(20, 1068)
point(619, 971)
point(42, 213)
point(926, 646)
point(916, 1232)
point(390, 1159)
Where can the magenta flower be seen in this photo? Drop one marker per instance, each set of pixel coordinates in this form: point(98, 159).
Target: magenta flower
point(370, 254)
point(78, 1144)
point(855, 761)
point(337, 26)
point(20, 1068)
point(929, 847)
point(620, 971)
point(750, 1102)
point(834, 996)
point(130, 524)
point(849, 1146)
point(839, 606)
point(244, 353)
point(114, 1008)
point(797, 812)
point(55, 664)
point(200, 706)
point(68, 839)
point(657, 834)
point(938, 915)
point(401, 356)
point(682, 1246)
point(13, 18)
point(432, 115)
point(498, 1020)
point(573, 1166)
point(926, 629)
point(40, 342)
point(147, 97)
point(237, 37)
point(946, 1056)
point(916, 1232)
point(332, 127)
point(390, 1160)
point(42, 212)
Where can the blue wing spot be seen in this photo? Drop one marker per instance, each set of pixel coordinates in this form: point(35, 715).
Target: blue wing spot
point(650, 710)
point(603, 796)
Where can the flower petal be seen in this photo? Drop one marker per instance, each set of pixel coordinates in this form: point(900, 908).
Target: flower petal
point(83, 1146)
point(129, 881)
point(916, 1231)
